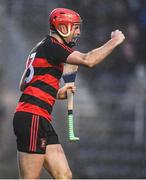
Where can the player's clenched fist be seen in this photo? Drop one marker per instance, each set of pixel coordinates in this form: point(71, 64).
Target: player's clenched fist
point(117, 36)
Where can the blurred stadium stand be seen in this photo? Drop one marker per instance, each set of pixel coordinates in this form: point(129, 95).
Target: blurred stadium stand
point(110, 100)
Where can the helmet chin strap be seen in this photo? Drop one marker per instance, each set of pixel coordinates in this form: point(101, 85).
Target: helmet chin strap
point(72, 43)
point(65, 35)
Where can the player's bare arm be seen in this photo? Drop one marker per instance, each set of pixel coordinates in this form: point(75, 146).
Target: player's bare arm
point(97, 55)
point(62, 92)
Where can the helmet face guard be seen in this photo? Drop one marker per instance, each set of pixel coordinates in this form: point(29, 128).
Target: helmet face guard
point(61, 17)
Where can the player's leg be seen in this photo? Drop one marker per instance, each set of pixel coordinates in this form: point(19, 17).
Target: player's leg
point(56, 162)
point(30, 165)
point(30, 153)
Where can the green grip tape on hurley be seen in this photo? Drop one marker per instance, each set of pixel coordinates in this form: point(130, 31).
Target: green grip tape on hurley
point(71, 128)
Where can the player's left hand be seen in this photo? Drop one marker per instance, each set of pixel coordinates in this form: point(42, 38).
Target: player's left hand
point(62, 92)
point(69, 86)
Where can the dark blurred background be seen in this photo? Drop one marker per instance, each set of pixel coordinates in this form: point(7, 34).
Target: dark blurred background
point(110, 99)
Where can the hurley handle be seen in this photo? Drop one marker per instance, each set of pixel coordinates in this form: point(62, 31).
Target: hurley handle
point(72, 137)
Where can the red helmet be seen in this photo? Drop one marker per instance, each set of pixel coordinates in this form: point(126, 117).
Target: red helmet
point(66, 17)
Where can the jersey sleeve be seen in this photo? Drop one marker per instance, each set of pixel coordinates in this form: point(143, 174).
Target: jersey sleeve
point(57, 52)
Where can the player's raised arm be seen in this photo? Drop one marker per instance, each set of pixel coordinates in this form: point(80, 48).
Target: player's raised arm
point(95, 56)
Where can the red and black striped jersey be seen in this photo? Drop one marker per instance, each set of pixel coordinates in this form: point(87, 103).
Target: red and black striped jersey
point(44, 70)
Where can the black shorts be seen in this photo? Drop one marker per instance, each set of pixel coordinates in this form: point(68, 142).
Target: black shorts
point(33, 133)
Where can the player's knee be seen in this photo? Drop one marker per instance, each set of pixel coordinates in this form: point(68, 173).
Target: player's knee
point(68, 174)
point(30, 176)
point(65, 175)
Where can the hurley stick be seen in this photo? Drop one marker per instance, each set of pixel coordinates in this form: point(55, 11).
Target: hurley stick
point(69, 75)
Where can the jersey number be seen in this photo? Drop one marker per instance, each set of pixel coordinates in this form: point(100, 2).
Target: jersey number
point(30, 69)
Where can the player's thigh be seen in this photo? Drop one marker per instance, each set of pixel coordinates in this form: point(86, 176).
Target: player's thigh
point(30, 165)
point(29, 144)
point(56, 162)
